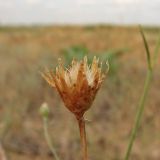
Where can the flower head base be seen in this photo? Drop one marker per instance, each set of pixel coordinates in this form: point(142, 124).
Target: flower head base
point(77, 85)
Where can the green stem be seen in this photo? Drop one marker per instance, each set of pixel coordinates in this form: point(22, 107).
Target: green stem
point(145, 92)
point(82, 130)
point(156, 51)
point(47, 137)
point(139, 113)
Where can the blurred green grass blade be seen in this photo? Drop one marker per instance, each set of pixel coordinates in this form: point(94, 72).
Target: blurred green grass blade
point(156, 51)
point(142, 101)
point(146, 47)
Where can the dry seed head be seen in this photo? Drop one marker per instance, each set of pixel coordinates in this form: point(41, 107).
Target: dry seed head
point(77, 84)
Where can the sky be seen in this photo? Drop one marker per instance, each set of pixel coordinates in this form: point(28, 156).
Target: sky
point(28, 12)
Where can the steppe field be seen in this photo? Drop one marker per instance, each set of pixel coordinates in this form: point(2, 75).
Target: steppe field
point(25, 51)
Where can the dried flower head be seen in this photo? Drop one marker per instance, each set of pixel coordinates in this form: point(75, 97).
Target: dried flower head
point(77, 84)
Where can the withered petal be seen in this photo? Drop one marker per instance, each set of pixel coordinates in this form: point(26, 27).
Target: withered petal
point(48, 78)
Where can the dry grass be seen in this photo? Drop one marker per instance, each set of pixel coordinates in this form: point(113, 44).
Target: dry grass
point(25, 51)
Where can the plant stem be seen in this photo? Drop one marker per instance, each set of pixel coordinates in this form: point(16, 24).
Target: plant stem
point(156, 51)
point(81, 123)
point(47, 137)
point(145, 91)
point(139, 113)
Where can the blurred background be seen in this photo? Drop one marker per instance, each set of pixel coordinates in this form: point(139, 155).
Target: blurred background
point(35, 33)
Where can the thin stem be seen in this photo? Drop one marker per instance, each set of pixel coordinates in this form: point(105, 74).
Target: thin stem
point(139, 113)
point(81, 123)
point(146, 47)
point(47, 137)
point(144, 94)
point(156, 51)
